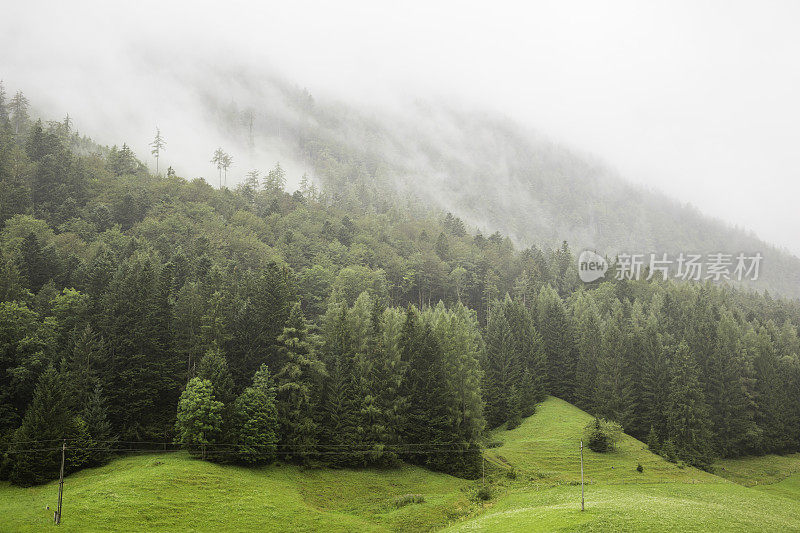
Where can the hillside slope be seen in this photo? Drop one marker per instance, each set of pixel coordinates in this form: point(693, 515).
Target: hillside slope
point(491, 171)
point(545, 494)
point(170, 491)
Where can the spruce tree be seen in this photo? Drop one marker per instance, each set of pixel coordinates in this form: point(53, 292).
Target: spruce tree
point(295, 380)
point(214, 367)
point(588, 332)
point(729, 392)
point(257, 421)
point(98, 427)
point(458, 335)
point(335, 414)
point(501, 368)
point(426, 431)
point(530, 355)
point(655, 378)
point(613, 382)
point(559, 343)
point(48, 420)
point(772, 408)
point(687, 412)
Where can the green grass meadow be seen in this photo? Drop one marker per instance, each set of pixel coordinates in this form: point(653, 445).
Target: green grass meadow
point(534, 477)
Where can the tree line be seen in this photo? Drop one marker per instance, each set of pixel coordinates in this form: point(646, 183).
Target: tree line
point(252, 324)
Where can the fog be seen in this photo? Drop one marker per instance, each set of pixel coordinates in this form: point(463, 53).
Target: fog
point(696, 99)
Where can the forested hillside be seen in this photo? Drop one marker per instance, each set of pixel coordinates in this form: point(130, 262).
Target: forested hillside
point(254, 323)
point(490, 171)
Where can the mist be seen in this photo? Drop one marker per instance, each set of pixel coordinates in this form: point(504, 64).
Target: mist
point(695, 99)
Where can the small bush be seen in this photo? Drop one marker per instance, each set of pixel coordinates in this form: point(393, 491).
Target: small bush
point(494, 444)
point(406, 499)
point(512, 474)
point(484, 493)
point(639, 468)
point(602, 435)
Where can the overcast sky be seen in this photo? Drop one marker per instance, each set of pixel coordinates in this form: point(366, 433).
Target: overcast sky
point(698, 99)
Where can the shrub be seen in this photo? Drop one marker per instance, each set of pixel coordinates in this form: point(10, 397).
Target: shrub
point(602, 435)
point(639, 468)
point(484, 493)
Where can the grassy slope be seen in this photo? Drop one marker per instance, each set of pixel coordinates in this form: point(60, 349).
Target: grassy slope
point(778, 475)
point(174, 492)
point(751, 471)
point(545, 496)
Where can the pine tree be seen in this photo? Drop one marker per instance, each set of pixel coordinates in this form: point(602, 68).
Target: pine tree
point(368, 418)
point(637, 344)
point(687, 412)
point(48, 419)
point(86, 363)
point(38, 263)
point(501, 368)
point(559, 344)
point(529, 347)
point(257, 420)
point(613, 383)
point(655, 377)
point(214, 367)
point(729, 397)
point(772, 410)
point(157, 146)
point(5, 122)
point(426, 419)
point(101, 438)
point(19, 112)
point(299, 371)
point(458, 334)
point(588, 332)
point(144, 370)
point(335, 414)
point(275, 181)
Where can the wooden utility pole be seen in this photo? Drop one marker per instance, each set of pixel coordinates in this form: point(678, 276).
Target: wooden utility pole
point(581, 475)
point(61, 483)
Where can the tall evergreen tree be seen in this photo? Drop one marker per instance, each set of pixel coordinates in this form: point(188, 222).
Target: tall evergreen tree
point(588, 332)
point(502, 368)
point(613, 381)
point(48, 420)
point(100, 434)
point(257, 420)
point(295, 381)
point(157, 146)
point(426, 432)
point(687, 411)
point(559, 343)
point(18, 106)
point(335, 412)
point(729, 390)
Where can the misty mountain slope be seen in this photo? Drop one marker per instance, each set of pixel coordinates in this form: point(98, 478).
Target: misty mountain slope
point(486, 169)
